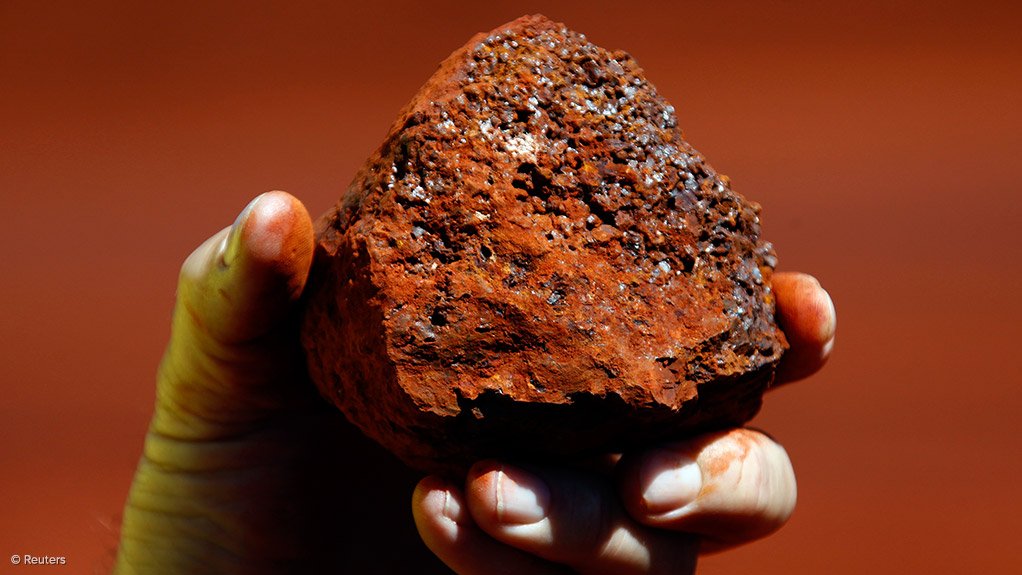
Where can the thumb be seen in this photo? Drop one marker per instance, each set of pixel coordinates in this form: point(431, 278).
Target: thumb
point(240, 283)
point(231, 342)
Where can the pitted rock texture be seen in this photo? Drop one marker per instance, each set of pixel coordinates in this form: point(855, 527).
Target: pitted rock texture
point(535, 264)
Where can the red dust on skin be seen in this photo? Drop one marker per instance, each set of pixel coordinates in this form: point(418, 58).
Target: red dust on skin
point(741, 471)
point(279, 232)
point(716, 463)
point(714, 453)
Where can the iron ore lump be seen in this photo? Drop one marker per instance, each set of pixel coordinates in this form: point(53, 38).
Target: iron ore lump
point(535, 264)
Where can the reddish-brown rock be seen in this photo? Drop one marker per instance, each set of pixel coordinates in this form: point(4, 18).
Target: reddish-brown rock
point(536, 264)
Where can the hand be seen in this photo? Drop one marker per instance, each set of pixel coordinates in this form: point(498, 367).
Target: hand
point(654, 511)
point(246, 470)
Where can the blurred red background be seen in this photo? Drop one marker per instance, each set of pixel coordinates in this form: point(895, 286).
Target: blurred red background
point(882, 138)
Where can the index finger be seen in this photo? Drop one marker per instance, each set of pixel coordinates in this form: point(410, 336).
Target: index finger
point(807, 317)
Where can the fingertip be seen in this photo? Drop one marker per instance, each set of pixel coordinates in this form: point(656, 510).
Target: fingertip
point(264, 225)
point(570, 518)
point(500, 494)
point(808, 318)
point(744, 488)
point(437, 510)
point(442, 518)
point(822, 305)
point(805, 307)
point(276, 231)
point(240, 283)
point(481, 483)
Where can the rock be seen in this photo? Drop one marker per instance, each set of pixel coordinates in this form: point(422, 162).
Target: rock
point(535, 264)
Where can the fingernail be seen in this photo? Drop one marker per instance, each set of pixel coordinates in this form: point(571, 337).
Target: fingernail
point(232, 244)
point(672, 480)
point(522, 498)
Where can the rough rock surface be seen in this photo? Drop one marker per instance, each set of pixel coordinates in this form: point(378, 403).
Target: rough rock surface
point(535, 263)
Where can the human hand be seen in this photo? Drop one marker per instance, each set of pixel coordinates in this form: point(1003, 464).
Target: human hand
point(246, 470)
point(650, 512)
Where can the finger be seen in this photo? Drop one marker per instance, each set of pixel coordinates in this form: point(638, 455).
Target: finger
point(571, 518)
point(729, 487)
point(806, 315)
point(240, 283)
point(232, 344)
point(448, 530)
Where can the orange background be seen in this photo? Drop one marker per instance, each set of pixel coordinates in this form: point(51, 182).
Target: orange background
point(882, 138)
